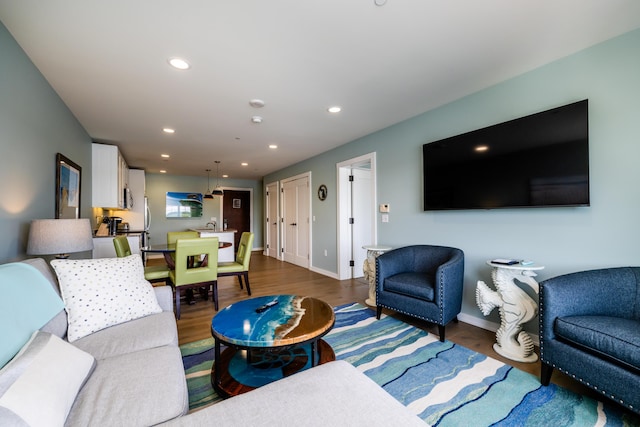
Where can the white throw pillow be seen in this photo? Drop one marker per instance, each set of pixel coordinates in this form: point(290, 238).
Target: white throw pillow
point(103, 292)
point(39, 385)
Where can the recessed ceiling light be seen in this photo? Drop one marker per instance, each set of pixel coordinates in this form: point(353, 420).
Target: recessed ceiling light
point(334, 109)
point(168, 130)
point(273, 146)
point(163, 171)
point(165, 156)
point(244, 164)
point(256, 119)
point(256, 103)
point(481, 148)
point(225, 176)
point(179, 63)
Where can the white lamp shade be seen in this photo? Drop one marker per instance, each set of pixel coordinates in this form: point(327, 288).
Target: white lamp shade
point(59, 236)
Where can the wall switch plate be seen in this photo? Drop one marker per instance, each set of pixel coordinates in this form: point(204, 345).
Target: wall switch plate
point(385, 218)
point(384, 207)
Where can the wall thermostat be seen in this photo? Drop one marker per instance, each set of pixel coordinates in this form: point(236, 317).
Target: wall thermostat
point(384, 207)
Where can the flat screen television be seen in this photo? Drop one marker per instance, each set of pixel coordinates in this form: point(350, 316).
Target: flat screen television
point(541, 160)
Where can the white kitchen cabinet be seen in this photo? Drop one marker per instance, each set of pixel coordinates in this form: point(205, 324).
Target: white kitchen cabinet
point(103, 246)
point(110, 176)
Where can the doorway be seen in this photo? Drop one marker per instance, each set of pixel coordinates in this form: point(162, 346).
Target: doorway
point(236, 211)
point(357, 224)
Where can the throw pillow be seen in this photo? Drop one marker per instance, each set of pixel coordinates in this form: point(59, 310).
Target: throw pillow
point(103, 292)
point(39, 385)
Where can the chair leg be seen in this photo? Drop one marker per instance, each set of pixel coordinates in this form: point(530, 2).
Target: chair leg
point(378, 312)
point(215, 294)
point(246, 280)
point(441, 332)
point(240, 280)
point(545, 373)
point(178, 302)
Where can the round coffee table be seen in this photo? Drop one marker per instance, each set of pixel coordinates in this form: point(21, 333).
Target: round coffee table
point(268, 338)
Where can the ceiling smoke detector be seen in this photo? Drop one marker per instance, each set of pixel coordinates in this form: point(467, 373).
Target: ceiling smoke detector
point(256, 119)
point(256, 103)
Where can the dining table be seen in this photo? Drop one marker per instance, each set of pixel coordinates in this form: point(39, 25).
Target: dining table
point(168, 249)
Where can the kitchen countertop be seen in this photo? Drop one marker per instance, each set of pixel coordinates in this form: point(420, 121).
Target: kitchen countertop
point(119, 233)
point(211, 230)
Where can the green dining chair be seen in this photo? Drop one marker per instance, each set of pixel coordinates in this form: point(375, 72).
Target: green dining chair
point(203, 275)
point(240, 267)
point(153, 273)
point(173, 236)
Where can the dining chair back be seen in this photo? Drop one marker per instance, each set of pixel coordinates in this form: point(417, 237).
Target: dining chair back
point(173, 236)
point(152, 273)
point(240, 267)
point(184, 276)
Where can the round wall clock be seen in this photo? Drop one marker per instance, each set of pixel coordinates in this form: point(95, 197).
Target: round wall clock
point(322, 192)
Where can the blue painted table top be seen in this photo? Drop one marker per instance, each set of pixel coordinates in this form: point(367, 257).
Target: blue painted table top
point(293, 320)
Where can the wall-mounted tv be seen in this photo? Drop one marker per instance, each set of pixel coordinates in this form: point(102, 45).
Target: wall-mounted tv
point(540, 160)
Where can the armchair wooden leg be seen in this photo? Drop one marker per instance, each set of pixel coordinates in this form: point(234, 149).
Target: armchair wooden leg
point(378, 312)
point(246, 280)
point(441, 332)
point(215, 294)
point(240, 280)
point(545, 373)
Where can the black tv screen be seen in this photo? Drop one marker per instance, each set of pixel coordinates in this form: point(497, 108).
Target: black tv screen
point(539, 160)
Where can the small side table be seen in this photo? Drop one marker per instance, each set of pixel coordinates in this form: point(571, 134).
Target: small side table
point(369, 267)
point(515, 306)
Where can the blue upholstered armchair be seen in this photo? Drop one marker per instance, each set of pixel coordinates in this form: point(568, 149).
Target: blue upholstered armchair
point(590, 329)
point(421, 281)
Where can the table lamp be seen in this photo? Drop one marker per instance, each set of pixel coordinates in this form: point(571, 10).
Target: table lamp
point(59, 236)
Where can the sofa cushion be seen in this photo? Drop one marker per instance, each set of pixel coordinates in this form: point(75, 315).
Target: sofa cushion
point(333, 394)
point(147, 332)
point(99, 293)
point(142, 388)
point(20, 316)
point(39, 386)
point(613, 337)
point(417, 285)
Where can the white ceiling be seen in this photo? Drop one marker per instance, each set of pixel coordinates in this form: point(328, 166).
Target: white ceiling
point(108, 61)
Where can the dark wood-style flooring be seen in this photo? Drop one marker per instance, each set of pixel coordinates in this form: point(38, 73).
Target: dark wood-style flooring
point(269, 276)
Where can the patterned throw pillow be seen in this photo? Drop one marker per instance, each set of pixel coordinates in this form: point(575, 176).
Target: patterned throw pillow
point(103, 292)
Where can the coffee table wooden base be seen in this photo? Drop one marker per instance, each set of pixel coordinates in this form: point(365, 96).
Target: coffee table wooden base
point(230, 386)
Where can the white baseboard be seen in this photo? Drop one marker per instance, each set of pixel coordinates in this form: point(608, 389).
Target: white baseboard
point(324, 272)
point(490, 326)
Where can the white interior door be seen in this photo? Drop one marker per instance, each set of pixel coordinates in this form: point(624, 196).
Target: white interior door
point(295, 220)
point(356, 213)
point(362, 231)
point(272, 246)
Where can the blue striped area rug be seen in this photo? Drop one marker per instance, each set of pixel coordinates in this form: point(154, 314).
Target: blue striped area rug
point(443, 383)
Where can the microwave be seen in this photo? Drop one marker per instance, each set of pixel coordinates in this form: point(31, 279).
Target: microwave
point(127, 199)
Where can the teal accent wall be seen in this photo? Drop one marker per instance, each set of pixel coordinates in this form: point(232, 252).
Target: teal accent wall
point(157, 186)
point(34, 125)
point(562, 239)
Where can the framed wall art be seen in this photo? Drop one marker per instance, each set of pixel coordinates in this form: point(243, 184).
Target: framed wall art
point(68, 186)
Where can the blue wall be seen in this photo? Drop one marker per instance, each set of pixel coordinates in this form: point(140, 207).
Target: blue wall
point(34, 125)
point(561, 239)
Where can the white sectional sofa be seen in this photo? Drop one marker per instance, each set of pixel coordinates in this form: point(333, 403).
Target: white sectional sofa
point(131, 373)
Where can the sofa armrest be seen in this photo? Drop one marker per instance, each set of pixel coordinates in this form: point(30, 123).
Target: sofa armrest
point(164, 294)
point(604, 292)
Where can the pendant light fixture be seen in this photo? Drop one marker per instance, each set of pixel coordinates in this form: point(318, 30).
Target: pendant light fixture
point(208, 195)
point(217, 191)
